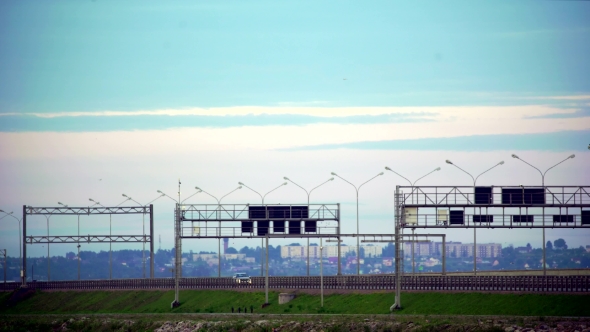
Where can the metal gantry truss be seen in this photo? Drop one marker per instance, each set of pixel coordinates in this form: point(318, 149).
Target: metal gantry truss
point(201, 221)
point(494, 207)
point(89, 238)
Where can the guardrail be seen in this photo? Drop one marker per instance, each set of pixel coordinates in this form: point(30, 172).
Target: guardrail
point(579, 283)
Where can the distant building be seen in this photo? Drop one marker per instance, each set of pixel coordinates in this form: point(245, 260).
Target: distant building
point(452, 249)
point(300, 252)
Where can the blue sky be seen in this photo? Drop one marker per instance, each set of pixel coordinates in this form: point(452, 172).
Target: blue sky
point(103, 97)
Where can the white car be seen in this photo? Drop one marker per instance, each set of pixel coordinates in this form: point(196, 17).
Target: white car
point(241, 278)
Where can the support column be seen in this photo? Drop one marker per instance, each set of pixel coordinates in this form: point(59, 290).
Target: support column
point(266, 279)
point(152, 241)
point(444, 255)
point(24, 243)
point(474, 252)
point(398, 279)
point(339, 254)
point(177, 257)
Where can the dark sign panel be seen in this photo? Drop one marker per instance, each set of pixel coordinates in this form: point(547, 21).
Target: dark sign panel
point(483, 195)
point(247, 226)
point(522, 218)
point(262, 227)
point(278, 226)
point(562, 218)
point(523, 196)
point(456, 217)
point(483, 218)
point(310, 226)
point(585, 217)
point(294, 227)
point(278, 212)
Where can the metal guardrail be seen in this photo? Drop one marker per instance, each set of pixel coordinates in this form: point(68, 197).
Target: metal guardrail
point(579, 283)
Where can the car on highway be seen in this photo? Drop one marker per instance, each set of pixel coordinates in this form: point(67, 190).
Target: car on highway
point(242, 278)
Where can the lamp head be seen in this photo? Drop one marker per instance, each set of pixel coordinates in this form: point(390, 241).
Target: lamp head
point(284, 184)
point(125, 195)
point(501, 163)
point(437, 169)
point(387, 168)
point(449, 162)
point(240, 183)
point(60, 203)
point(331, 179)
point(198, 188)
point(160, 192)
point(240, 187)
point(286, 178)
point(334, 173)
point(90, 199)
point(515, 156)
point(572, 156)
point(380, 173)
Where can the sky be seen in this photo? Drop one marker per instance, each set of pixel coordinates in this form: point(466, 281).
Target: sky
point(103, 98)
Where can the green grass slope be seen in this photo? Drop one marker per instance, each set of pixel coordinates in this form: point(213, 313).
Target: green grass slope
point(221, 301)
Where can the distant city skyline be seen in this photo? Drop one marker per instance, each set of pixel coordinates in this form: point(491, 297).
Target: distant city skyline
point(104, 98)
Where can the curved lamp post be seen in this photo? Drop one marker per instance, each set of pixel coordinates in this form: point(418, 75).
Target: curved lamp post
point(308, 194)
point(412, 185)
point(474, 229)
point(543, 184)
point(358, 248)
point(219, 229)
point(262, 240)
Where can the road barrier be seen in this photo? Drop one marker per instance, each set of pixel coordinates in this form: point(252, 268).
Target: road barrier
point(576, 283)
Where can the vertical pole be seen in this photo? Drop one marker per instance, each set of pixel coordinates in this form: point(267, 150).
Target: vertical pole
point(23, 272)
point(398, 279)
point(413, 244)
point(544, 256)
point(358, 247)
point(261, 256)
point(48, 259)
point(152, 241)
point(177, 255)
point(79, 247)
point(322, 271)
point(307, 249)
point(219, 257)
point(474, 252)
point(339, 253)
point(266, 279)
point(110, 247)
point(444, 254)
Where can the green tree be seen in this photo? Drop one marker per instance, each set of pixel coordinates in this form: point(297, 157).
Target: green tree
point(560, 244)
point(549, 245)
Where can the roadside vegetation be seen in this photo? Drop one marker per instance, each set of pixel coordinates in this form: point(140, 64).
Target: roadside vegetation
point(222, 301)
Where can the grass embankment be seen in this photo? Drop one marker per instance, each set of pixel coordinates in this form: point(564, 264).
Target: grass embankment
point(220, 301)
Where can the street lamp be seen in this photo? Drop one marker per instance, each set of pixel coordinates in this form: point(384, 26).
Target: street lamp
point(358, 248)
point(20, 254)
point(543, 184)
point(95, 203)
point(131, 199)
point(261, 239)
point(219, 228)
point(474, 229)
point(308, 194)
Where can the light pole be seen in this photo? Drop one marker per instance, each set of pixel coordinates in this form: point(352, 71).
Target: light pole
point(543, 184)
point(262, 239)
point(322, 271)
point(358, 248)
point(412, 193)
point(219, 228)
point(308, 194)
point(474, 229)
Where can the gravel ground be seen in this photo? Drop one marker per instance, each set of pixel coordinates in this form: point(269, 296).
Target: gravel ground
point(221, 322)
